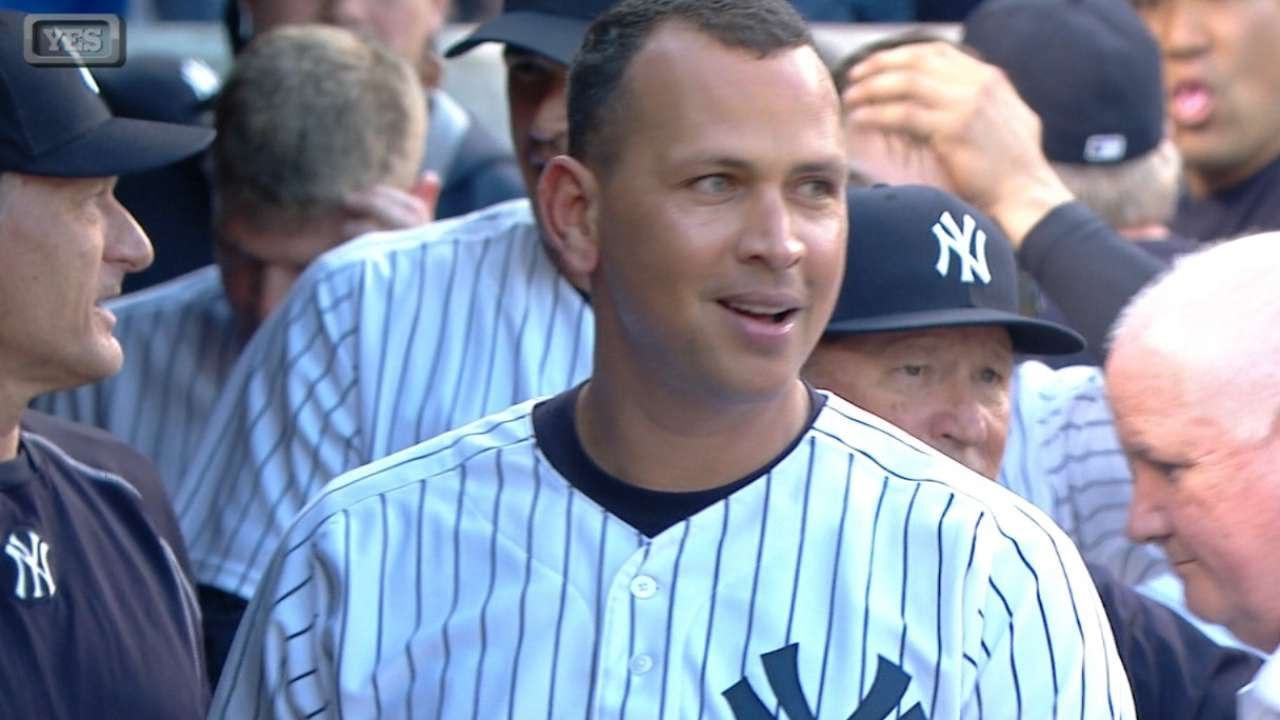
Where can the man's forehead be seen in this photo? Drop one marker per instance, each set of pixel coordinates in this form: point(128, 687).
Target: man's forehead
point(992, 339)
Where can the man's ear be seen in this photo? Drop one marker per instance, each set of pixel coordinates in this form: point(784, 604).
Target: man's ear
point(427, 189)
point(567, 206)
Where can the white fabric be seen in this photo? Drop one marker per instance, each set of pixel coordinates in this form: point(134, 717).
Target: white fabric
point(465, 577)
point(1260, 699)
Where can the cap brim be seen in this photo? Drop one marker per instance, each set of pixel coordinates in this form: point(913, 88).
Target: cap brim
point(121, 146)
point(1031, 336)
point(552, 36)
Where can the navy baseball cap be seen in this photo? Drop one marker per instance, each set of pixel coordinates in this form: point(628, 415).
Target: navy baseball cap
point(920, 258)
point(53, 122)
point(551, 28)
point(1089, 68)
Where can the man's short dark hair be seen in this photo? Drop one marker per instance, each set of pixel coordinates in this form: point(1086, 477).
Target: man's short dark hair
point(595, 79)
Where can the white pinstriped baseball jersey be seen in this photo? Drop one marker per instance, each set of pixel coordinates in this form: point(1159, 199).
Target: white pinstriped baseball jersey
point(382, 343)
point(859, 575)
point(180, 343)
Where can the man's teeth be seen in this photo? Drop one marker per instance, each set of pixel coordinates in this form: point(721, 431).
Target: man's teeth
point(758, 309)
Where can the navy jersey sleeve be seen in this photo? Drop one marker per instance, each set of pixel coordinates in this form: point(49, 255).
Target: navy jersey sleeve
point(1086, 268)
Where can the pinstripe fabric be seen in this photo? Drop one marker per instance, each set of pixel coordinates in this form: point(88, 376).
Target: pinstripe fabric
point(515, 595)
point(1064, 456)
point(383, 342)
point(179, 342)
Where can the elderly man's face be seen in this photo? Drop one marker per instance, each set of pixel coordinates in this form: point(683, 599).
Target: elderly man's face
point(947, 386)
point(1210, 500)
point(67, 245)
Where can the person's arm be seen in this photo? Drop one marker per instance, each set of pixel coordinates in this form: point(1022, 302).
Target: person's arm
point(1087, 269)
point(986, 141)
point(1176, 671)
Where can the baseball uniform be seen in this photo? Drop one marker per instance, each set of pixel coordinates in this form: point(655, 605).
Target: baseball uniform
point(180, 342)
point(382, 342)
point(97, 615)
point(859, 574)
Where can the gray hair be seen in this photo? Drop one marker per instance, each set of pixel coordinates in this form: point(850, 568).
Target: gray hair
point(1137, 192)
point(1212, 324)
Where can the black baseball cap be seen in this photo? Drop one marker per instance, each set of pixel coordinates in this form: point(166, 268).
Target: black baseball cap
point(1089, 68)
point(920, 258)
point(551, 28)
point(53, 122)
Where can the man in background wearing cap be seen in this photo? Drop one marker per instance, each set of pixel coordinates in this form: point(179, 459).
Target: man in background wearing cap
point(1103, 131)
point(1223, 86)
point(931, 349)
point(310, 115)
point(395, 338)
point(976, 133)
point(97, 615)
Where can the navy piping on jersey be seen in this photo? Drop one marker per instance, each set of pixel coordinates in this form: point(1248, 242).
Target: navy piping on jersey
point(649, 511)
point(711, 610)
point(835, 576)
point(497, 317)
point(446, 317)
point(466, 347)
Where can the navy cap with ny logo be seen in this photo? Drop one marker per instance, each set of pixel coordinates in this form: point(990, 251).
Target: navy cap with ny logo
point(921, 258)
point(52, 121)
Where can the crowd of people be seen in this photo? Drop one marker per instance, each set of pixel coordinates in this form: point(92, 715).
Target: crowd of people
point(935, 382)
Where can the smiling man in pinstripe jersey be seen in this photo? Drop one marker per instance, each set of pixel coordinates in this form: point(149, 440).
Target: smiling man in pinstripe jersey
point(692, 532)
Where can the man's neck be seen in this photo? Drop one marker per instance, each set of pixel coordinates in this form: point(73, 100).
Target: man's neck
point(1203, 182)
point(10, 414)
point(665, 440)
point(1154, 231)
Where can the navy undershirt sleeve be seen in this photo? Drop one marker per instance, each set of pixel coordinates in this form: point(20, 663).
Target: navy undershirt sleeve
point(1086, 268)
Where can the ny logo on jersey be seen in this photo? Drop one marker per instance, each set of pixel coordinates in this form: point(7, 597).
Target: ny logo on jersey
point(952, 237)
point(782, 668)
point(35, 578)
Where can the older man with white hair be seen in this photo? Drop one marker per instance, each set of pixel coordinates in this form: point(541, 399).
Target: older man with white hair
point(1196, 390)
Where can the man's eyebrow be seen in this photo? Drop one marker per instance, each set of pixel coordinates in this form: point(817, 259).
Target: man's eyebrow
point(822, 167)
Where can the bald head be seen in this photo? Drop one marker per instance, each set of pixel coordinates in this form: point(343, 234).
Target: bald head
point(1210, 329)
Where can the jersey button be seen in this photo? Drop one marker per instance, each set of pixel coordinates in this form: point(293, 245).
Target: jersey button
point(644, 587)
point(641, 664)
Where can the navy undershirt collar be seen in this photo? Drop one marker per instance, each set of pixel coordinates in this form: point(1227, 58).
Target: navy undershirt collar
point(649, 511)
